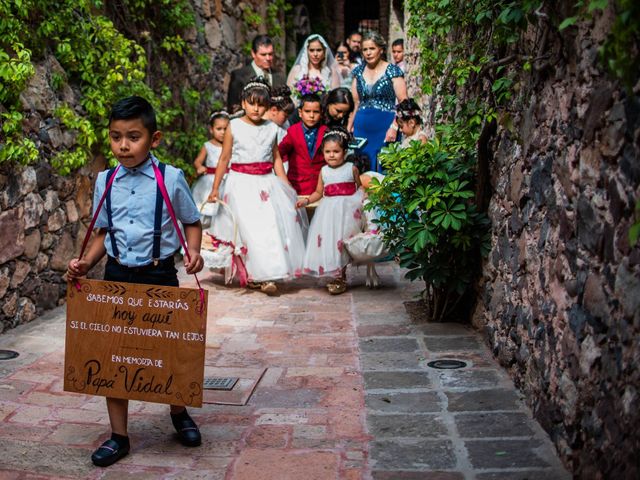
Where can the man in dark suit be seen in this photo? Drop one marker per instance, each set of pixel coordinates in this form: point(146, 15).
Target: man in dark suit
point(260, 66)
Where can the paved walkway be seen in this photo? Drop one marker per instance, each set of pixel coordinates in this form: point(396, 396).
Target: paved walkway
point(347, 394)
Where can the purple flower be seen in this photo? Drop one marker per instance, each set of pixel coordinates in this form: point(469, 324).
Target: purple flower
point(307, 85)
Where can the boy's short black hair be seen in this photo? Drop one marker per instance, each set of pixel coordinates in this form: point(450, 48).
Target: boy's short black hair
point(130, 108)
point(310, 98)
point(397, 42)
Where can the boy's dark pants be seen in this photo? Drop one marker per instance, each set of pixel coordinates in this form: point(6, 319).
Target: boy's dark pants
point(163, 274)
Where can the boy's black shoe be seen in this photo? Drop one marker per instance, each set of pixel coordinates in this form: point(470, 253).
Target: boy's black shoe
point(187, 429)
point(109, 453)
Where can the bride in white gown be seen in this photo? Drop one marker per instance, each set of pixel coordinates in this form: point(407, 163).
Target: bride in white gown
point(315, 60)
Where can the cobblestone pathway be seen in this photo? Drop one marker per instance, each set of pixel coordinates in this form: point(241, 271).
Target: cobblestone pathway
point(347, 394)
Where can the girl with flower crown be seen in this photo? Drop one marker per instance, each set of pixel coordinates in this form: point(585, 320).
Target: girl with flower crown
point(271, 239)
point(206, 162)
point(315, 69)
point(338, 217)
point(408, 118)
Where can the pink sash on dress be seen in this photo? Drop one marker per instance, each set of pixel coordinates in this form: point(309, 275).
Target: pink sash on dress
point(340, 189)
point(257, 168)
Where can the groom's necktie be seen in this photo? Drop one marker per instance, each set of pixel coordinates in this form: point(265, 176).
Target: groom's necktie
point(267, 76)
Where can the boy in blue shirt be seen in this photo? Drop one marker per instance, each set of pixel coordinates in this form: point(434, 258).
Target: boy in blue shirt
point(125, 233)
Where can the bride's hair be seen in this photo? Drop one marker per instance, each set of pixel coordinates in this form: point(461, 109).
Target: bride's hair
point(303, 56)
point(316, 38)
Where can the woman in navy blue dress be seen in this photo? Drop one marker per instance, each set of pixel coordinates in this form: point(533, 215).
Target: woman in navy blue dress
point(377, 86)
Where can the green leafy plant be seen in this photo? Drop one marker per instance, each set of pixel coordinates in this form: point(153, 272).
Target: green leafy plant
point(85, 137)
point(15, 70)
point(16, 148)
point(429, 220)
point(476, 60)
point(468, 62)
point(107, 51)
point(204, 62)
point(469, 67)
point(94, 55)
point(276, 11)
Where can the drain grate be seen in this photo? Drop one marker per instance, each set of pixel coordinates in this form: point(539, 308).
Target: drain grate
point(8, 354)
point(219, 383)
point(447, 364)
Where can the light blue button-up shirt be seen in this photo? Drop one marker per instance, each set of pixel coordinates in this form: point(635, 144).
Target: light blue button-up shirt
point(133, 203)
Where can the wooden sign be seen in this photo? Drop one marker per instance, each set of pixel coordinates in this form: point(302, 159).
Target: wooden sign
point(134, 341)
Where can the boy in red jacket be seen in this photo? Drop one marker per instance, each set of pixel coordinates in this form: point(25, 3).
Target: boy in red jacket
point(301, 146)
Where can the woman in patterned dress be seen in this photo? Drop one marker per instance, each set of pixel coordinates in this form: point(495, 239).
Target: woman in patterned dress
point(377, 87)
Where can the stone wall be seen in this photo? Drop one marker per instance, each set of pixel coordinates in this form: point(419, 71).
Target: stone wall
point(560, 292)
point(40, 219)
point(44, 216)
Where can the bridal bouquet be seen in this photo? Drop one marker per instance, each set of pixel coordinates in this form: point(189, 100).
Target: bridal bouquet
point(307, 85)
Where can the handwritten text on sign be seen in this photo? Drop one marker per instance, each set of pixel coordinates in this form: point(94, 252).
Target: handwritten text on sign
point(141, 342)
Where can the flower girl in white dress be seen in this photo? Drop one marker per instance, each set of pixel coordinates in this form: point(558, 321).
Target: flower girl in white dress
point(339, 215)
point(207, 159)
point(269, 226)
point(206, 163)
point(219, 223)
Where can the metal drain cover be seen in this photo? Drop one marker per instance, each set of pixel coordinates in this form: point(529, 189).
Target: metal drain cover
point(447, 364)
point(8, 354)
point(219, 383)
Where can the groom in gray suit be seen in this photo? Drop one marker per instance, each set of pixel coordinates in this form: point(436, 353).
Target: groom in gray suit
point(262, 54)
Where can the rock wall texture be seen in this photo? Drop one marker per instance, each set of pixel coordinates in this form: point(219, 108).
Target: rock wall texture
point(560, 291)
point(44, 216)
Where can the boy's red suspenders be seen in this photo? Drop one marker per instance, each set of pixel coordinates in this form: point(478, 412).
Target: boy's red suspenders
point(161, 194)
point(167, 201)
point(107, 194)
point(95, 215)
